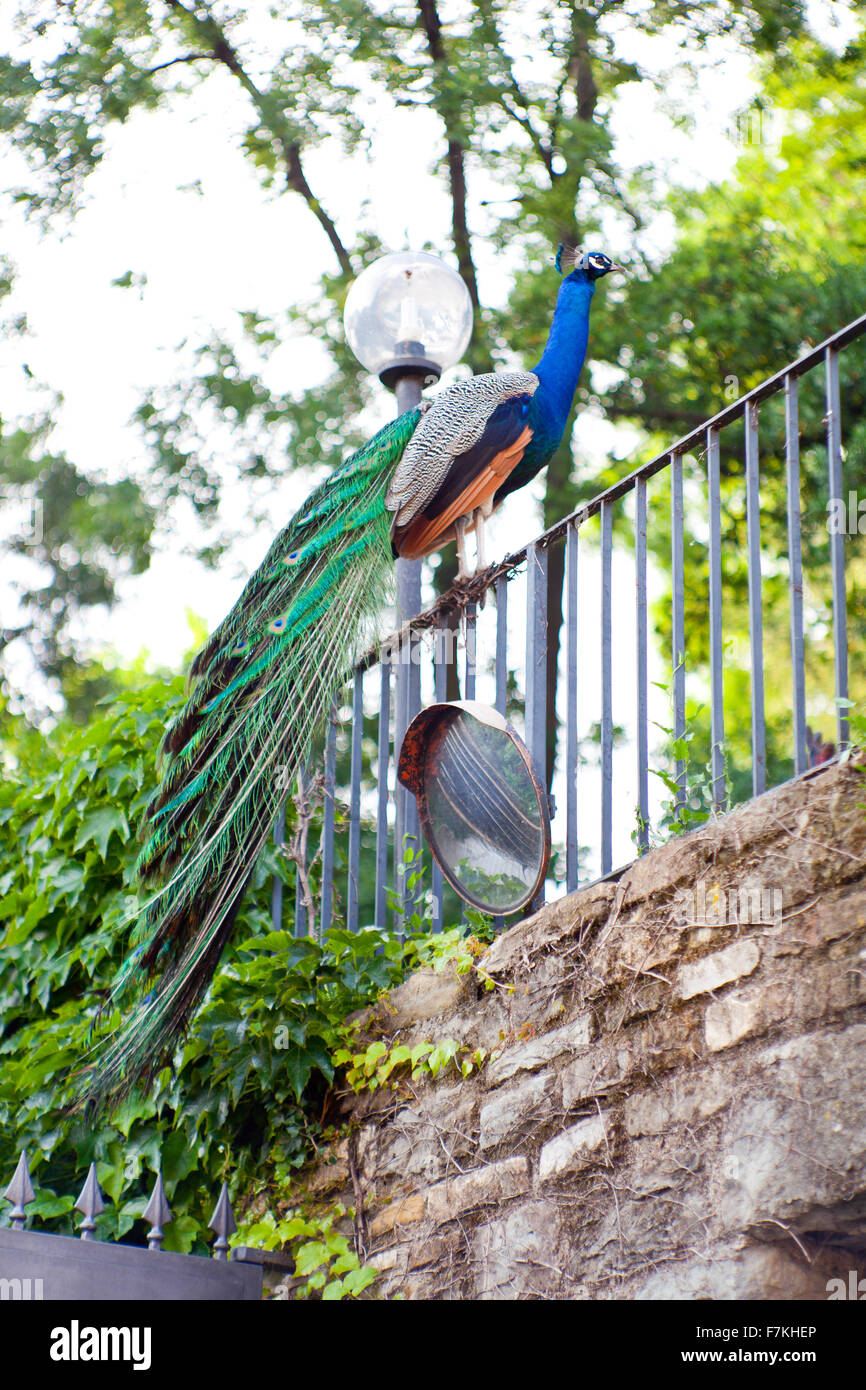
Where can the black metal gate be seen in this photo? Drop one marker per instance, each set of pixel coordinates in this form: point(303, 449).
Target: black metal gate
point(35, 1265)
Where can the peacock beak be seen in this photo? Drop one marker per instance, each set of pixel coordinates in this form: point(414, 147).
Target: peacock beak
point(620, 268)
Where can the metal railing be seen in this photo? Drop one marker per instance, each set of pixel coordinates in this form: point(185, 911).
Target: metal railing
point(392, 815)
point(37, 1264)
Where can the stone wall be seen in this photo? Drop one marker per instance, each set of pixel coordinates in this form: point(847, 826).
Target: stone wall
point(674, 1107)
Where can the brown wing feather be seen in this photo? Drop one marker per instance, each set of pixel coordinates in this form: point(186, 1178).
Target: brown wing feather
point(425, 534)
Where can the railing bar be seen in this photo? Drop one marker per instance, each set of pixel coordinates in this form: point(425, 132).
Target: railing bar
point(756, 616)
point(502, 644)
point(642, 677)
point(384, 737)
point(536, 669)
point(300, 909)
point(352, 894)
point(413, 706)
point(717, 709)
point(276, 881)
point(328, 811)
point(678, 645)
point(837, 546)
point(572, 747)
point(443, 638)
point(501, 669)
point(401, 795)
point(795, 558)
point(581, 514)
point(606, 691)
point(471, 635)
point(301, 927)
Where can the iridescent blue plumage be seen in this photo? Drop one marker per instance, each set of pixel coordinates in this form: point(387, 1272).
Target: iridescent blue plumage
point(262, 684)
point(559, 368)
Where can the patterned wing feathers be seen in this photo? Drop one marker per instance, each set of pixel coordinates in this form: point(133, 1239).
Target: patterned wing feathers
point(451, 427)
point(426, 534)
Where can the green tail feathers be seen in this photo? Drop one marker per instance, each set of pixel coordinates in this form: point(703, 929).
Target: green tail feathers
point(259, 691)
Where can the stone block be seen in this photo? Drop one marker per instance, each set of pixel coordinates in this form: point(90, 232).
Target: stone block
point(512, 952)
point(537, 1052)
point(573, 1149)
point(426, 994)
point(794, 1148)
point(480, 1186)
point(745, 1013)
point(527, 1104)
point(399, 1213)
point(522, 1253)
point(720, 968)
point(680, 1100)
point(756, 1273)
point(592, 1074)
point(395, 1257)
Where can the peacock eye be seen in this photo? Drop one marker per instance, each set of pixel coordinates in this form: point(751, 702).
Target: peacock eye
point(277, 625)
point(293, 558)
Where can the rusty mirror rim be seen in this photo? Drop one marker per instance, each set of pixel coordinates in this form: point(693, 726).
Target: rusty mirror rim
point(410, 773)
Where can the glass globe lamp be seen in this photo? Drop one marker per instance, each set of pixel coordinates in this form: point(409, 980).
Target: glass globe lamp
point(408, 314)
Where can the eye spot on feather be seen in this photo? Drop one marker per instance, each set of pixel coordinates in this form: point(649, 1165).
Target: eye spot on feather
point(293, 558)
point(277, 625)
point(239, 648)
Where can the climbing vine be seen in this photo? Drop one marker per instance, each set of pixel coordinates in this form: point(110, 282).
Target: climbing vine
point(248, 1096)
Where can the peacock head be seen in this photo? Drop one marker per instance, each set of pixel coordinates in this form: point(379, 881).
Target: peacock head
point(584, 265)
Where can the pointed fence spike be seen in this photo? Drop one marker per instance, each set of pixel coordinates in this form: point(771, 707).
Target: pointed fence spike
point(20, 1193)
point(90, 1203)
point(157, 1214)
point(223, 1222)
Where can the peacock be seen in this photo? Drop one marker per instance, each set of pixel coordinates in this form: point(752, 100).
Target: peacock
point(259, 687)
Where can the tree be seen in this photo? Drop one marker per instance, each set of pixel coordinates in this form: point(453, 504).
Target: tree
point(764, 265)
point(526, 94)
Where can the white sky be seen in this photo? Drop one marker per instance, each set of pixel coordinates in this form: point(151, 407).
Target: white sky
point(175, 200)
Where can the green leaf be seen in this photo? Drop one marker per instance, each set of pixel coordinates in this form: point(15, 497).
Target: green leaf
point(310, 1257)
point(98, 826)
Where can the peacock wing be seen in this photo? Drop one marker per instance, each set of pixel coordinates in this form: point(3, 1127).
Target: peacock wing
point(454, 426)
point(259, 691)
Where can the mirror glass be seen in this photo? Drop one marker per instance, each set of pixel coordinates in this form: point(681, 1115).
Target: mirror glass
point(482, 813)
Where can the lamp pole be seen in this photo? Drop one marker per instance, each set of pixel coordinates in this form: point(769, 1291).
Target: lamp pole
point(407, 317)
point(407, 390)
point(407, 695)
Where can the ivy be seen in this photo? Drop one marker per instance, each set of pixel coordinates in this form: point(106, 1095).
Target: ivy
point(325, 1263)
point(245, 1096)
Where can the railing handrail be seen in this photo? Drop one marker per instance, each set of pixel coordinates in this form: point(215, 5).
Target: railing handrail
point(459, 595)
point(466, 596)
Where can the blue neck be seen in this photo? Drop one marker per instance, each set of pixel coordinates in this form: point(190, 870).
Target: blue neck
point(563, 357)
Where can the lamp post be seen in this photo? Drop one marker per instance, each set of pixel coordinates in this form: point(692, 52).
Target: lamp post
point(408, 316)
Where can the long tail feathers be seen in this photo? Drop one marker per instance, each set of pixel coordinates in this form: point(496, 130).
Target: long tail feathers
point(259, 691)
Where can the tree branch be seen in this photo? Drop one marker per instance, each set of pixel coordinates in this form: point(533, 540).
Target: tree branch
point(170, 63)
point(543, 149)
point(223, 52)
point(460, 235)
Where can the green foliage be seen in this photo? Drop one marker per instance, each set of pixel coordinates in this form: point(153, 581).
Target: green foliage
point(379, 1065)
point(324, 1260)
point(322, 75)
point(765, 264)
point(244, 1099)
